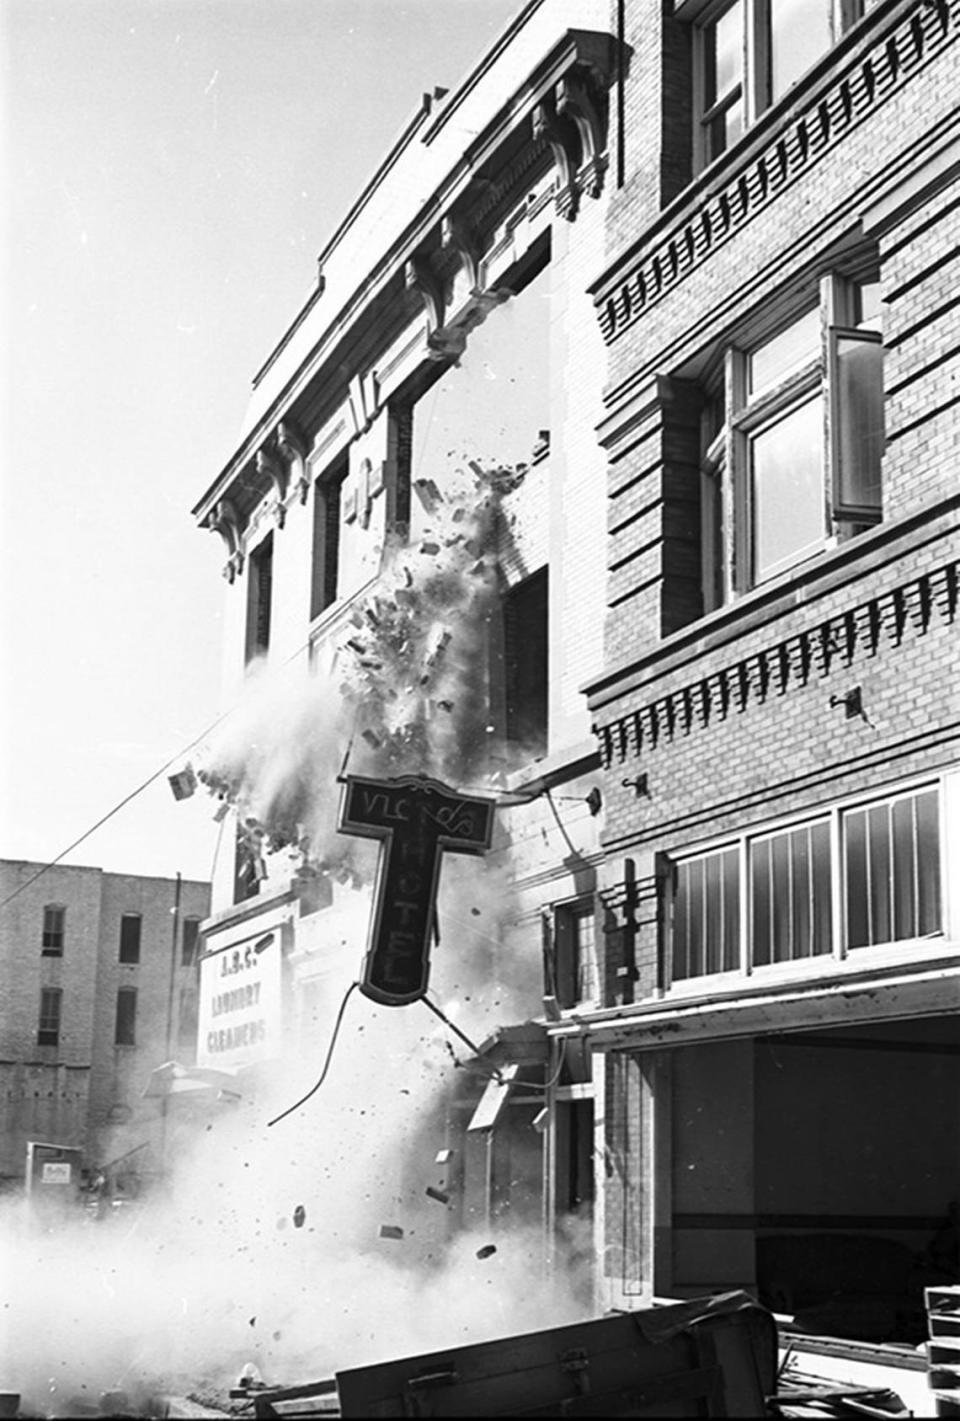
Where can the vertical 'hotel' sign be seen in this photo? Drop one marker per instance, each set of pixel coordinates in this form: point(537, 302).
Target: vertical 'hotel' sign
point(417, 820)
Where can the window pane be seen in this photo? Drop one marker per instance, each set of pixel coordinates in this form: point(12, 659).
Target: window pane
point(781, 896)
point(188, 946)
point(52, 936)
point(788, 508)
point(48, 1025)
point(800, 31)
point(859, 405)
point(731, 910)
point(126, 1017)
point(130, 937)
point(585, 950)
point(760, 904)
point(802, 893)
point(723, 55)
point(724, 128)
point(928, 862)
point(706, 916)
point(855, 842)
point(821, 926)
point(791, 895)
point(789, 348)
point(904, 881)
point(892, 856)
point(878, 850)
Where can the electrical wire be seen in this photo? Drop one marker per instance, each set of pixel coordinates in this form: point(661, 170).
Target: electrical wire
point(326, 1065)
point(185, 750)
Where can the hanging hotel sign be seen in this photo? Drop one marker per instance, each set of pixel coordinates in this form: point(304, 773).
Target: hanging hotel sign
point(417, 820)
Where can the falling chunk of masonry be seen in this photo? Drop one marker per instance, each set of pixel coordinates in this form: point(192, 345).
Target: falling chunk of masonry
point(487, 1250)
point(437, 1194)
point(390, 1231)
point(299, 1217)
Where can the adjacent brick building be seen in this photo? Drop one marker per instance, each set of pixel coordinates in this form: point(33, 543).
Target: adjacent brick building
point(100, 988)
point(777, 714)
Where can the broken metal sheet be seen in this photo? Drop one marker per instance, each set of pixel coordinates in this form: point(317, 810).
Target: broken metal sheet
point(494, 1099)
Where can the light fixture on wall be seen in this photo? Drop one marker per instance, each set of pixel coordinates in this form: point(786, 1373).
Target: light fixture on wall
point(638, 784)
point(852, 702)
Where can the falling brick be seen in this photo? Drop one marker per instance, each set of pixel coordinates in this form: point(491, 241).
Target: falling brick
point(438, 1194)
point(428, 494)
point(390, 1231)
point(487, 1251)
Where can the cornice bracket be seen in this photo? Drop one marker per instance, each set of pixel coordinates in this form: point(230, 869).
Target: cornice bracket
point(562, 138)
point(277, 474)
point(293, 447)
point(226, 521)
point(574, 100)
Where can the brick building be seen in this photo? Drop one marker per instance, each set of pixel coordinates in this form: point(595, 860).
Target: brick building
point(100, 987)
point(414, 517)
point(776, 1057)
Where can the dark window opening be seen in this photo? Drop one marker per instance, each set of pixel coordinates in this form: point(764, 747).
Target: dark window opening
point(130, 925)
point(526, 662)
point(125, 1033)
point(51, 942)
point(188, 942)
point(259, 598)
point(327, 514)
point(48, 1026)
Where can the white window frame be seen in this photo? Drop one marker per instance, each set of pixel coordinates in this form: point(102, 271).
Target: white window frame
point(841, 954)
point(727, 499)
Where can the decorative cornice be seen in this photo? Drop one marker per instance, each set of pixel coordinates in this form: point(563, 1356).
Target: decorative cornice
point(791, 663)
point(873, 73)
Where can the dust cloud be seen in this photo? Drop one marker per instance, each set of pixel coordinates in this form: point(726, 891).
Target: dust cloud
point(338, 1235)
point(305, 1247)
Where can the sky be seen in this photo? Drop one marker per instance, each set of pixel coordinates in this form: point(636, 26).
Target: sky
point(169, 170)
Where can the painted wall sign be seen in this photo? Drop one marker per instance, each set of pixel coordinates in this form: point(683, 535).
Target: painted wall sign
point(239, 1009)
point(417, 820)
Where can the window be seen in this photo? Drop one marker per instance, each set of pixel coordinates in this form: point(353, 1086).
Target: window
point(577, 966)
point(790, 895)
point(125, 1033)
point(51, 940)
point(327, 513)
point(525, 619)
point(130, 937)
point(892, 870)
point(793, 442)
point(706, 915)
point(188, 941)
point(259, 598)
point(885, 855)
point(749, 53)
point(48, 1026)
